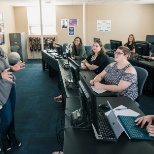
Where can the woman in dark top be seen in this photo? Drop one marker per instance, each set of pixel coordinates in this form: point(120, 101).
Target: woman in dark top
point(98, 60)
point(78, 49)
point(131, 43)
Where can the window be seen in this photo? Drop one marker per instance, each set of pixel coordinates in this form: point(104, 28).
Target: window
point(48, 20)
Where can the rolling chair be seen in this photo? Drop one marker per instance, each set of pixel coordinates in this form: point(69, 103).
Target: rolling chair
point(88, 50)
point(142, 75)
point(107, 47)
point(111, 59)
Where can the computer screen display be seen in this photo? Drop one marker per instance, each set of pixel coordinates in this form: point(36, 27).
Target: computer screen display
point(95, 39)
point(150, 38)
point(115, 44)
point(74, 69)
point(50, 43)
point(85, 102)
point(142, 48)
point(59, 49)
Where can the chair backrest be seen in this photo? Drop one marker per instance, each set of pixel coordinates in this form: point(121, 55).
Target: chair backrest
point(111, 59)
point(142, 75)
point(107, 47)
point(88, 50)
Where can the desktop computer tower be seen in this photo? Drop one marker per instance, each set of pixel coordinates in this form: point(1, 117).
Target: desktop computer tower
point(18, 43)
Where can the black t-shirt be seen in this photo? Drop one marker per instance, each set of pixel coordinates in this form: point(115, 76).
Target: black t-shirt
point(130, 46)
point(101, 61)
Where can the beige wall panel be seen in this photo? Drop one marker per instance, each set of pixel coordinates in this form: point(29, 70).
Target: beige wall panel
point(68, 12)
point(126, 19)
point(9, 24)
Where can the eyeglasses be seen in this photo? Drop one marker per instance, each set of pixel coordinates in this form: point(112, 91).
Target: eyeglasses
point(118, 53)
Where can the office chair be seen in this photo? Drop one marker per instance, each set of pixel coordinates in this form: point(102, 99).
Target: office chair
point(88, 50)
point(107, 47)
point(111, 59)
point(142, 75)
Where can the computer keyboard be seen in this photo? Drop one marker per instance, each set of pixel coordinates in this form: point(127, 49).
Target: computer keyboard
point(105, 131)
point(133, 131)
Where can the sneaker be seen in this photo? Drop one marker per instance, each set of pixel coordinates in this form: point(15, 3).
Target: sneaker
point(6, 146)
point(12, 138)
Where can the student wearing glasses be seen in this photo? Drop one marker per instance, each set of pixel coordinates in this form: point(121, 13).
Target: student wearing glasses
point(131, 43)
point(78, 49)
point(146, 119)
point(97, 60)
point(119, 76)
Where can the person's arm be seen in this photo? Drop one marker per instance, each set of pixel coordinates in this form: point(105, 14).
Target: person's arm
point(82, 52)
point(90, 66)
point(7, 75)
point(98, 78)
point(144, 119)
point(123, 84)
point(133, 50)
point(20, 65)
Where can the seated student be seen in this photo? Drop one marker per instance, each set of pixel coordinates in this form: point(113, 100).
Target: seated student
point(78, 49)
point(97, 60)
point(119, 76)
point(146, 119)
point(131, 43)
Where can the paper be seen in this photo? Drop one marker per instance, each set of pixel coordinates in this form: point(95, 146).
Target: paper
point(97, 90)
point(123, 111)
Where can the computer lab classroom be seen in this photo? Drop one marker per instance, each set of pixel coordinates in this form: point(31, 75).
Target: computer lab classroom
point(45, 126)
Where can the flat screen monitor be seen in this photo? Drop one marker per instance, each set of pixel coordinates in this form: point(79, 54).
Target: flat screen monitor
point(50, 43)
point(115, 44)
point(85, 102)
point(74, 70)
point(142, 48)
point(95, 39)
point(59, 49)
point(150, 39)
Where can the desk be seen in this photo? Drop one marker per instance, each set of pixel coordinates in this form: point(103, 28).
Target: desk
point(149, 66)
point(56, 65)
point(84, 142)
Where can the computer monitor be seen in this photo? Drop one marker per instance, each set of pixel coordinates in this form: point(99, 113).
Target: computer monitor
point(59, 49)
point(115, 44)
point(95, 39)
point(50, 43)
point(142, 48)
point(150, 39)
point(74, 70)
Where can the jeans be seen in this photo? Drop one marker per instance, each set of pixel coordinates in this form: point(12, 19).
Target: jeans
point(7, 114)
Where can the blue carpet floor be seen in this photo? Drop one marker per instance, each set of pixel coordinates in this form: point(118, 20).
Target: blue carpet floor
point(39, 120)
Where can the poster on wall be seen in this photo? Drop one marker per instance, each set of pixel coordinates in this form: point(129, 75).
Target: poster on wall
point(73, 22)
point(64, 23)
point(103, 25)
point(1, 30)
point(71, 31)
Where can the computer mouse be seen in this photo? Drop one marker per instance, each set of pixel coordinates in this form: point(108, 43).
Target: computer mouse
point(104, 106)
